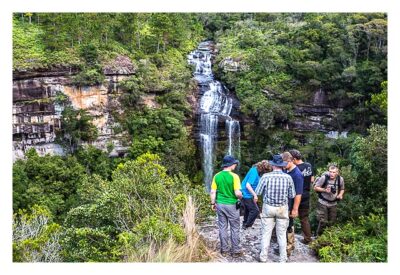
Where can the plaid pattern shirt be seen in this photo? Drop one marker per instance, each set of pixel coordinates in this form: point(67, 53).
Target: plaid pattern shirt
point(276, 188)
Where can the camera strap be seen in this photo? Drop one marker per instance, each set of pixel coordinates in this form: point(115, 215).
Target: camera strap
point(336, 184)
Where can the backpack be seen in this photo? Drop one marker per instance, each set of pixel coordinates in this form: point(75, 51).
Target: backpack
point(336, 185)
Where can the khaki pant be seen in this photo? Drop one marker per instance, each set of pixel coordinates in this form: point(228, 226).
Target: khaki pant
point(272, 217)
point(326, 215)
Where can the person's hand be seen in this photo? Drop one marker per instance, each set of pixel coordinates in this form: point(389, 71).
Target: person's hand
point(339, 197)
point(328, 189)
point(294, 213)
point(255, 199)
point(214, 207)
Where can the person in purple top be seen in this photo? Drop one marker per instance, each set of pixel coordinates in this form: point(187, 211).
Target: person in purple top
point(249, 184)
point(298, 180)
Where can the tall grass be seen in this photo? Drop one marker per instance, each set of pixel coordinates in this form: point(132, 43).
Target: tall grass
point(193, 250)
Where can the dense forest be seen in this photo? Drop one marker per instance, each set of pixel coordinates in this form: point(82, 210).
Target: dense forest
point(88, 207)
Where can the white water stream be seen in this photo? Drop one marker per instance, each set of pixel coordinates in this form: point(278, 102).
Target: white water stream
point(215, 105)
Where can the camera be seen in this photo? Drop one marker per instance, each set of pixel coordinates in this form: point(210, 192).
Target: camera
point(238, 204)
point(333, 189)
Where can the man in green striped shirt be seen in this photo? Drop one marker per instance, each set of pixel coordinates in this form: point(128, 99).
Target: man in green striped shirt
point(225, 192)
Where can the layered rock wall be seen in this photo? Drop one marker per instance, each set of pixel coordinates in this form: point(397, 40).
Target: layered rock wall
point(37, 108)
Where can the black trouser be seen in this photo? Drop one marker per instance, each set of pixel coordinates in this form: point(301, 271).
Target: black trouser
point(251, 212)
point(304, 211)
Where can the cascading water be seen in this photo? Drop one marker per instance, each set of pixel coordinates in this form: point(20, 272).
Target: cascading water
point(215, 105)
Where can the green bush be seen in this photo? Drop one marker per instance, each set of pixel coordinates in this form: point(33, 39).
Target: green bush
point(362, 241)
point(35, 237)
point(88, 245)
point(50, 181)
point(88, 77)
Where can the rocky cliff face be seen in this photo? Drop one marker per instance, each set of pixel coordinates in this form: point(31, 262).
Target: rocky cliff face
point(316, 115)
point(37, 111)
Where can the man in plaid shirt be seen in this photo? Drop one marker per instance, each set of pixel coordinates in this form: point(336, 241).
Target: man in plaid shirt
point(276, 188)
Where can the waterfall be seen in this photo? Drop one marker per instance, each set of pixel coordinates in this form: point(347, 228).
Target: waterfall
point(233, 130)
point(215, 105)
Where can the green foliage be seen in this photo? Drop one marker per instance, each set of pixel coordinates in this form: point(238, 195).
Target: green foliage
point(90, 54)
point(289, 57)
point(141, 202)
point(50, 181)
point(88, 245)
point(141, 146)
point(380, 99)
point(363, 241)
point(27, 52)
point(138, 189)
point(76, 127)
point(35, 237)
point(83, 38)
point(153, 229)
point(95, 161)
point(88, 76)
point(369, 159)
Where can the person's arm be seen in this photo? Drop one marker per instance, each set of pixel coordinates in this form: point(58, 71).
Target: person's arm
point(322, 190)
point(295, 210)
point(238, 194)
point(236, 186)
point(318, 184)
point(297, 199)
point(341, 192)
point(255, 198)
point(213, 194)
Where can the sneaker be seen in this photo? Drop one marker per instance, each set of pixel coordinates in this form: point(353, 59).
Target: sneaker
point(262, 260)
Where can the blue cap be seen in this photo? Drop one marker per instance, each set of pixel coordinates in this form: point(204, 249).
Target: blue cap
point(228, 161)
point(278, 161)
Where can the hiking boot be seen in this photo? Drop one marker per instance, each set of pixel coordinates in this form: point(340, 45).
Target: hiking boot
point(224, 253)
point(237, 254)
point(305, 242)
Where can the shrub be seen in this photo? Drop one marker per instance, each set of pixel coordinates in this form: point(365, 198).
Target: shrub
point(88, 245)
point(35, 237)
point(363, 241)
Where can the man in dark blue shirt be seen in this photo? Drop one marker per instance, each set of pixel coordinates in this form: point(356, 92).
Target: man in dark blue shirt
point(304, 207)
point(298, 180)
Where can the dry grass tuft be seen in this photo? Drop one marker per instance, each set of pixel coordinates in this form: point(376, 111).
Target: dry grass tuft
point(193, 250)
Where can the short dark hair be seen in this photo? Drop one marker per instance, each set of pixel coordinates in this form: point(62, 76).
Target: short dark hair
point(295, 154)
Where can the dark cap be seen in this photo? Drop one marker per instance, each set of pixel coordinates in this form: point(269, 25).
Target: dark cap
point(228, 161)
point(278, 161)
